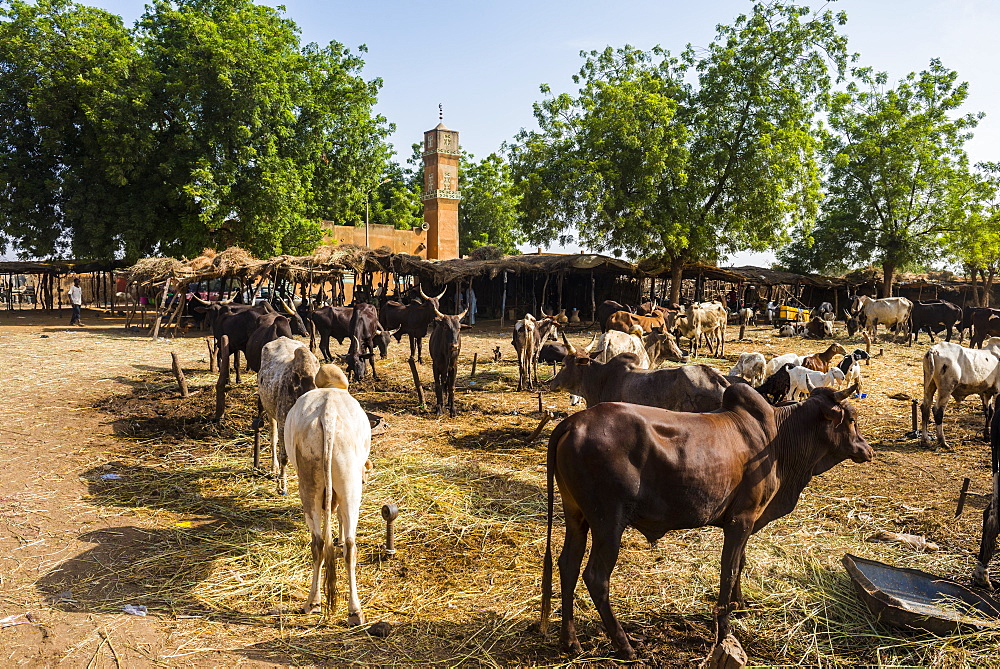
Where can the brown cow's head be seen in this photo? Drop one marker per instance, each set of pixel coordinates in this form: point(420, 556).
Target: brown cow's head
point(569, 376)
point(662, 346)
point(839, 429)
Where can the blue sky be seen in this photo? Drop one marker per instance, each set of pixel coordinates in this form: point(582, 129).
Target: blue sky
point(484, 60)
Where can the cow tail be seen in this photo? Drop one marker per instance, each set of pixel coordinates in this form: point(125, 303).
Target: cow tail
point(327, 433)
point(550, 472)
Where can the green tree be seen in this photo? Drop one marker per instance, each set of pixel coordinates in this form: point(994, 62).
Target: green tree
point(975, 243)
point(207, 124)
point(898, 177)
point(70, 91)
point(691, 157)
point(487, 214)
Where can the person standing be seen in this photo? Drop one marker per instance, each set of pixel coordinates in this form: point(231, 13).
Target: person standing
point(76, 301)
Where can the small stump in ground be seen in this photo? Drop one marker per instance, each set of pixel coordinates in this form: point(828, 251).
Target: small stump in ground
point(380, 629)
point(727, 655)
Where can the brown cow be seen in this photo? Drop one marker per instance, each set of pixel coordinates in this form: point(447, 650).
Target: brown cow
point(686, 388)
point(738, 469)
point(623, 322)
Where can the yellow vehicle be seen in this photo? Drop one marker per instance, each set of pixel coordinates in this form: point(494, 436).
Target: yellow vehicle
point(788, 314)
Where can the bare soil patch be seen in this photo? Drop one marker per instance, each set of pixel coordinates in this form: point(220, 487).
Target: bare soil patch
point(186, 527)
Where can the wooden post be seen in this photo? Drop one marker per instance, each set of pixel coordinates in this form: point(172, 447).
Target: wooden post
point(160, 308)
point(503, 299)
point(179, 374)
point(961, 497)
point(220, 385)
point(540, 402)
point(475, 358)
point(593, 298)
point(256, 433)
point(210, 341)
point(416, 381)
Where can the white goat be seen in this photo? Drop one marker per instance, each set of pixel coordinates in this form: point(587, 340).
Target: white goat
point(804, 380)
point(751, 367)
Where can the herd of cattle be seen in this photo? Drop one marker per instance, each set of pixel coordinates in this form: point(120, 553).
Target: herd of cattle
point(655, 448)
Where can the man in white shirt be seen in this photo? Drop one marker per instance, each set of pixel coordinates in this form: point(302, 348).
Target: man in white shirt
point(75, 301)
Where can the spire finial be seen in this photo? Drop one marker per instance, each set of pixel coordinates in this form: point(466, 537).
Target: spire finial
point(440, 112)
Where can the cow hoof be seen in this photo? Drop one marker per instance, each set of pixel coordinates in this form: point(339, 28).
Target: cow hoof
point(315, 608)
point(626, 654)
point(573, 648)
point(981, 578)
point(356, 619)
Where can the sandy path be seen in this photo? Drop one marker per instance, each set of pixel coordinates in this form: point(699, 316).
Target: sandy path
point(50, 438)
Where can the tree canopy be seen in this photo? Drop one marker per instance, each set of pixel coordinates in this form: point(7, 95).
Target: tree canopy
point(691, 157)
point(898, 178)
point(208, 123)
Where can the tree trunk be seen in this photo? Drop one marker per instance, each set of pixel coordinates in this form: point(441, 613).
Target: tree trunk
point(974, 272)
point(676, 276)
point(988, 286)
point(888, 270)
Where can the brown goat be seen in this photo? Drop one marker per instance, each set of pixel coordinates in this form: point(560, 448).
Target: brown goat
point(821, 361)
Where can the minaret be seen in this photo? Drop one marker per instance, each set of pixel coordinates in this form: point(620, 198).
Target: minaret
point(441, 194)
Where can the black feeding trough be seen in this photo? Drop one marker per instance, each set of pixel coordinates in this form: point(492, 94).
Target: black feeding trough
point(914, 599)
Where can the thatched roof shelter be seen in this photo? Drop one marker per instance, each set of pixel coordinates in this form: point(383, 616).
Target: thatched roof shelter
point(440, 272)
point(772, 277)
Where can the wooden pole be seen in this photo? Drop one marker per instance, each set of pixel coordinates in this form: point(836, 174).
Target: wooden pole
point(220, 385)
point(212, 352)
point(540, 402)
point(179, 374)
point(503, 299)
point(160, 309)
point(961, 497)
point(416, 381)
point(593, 298)
point(475, 358)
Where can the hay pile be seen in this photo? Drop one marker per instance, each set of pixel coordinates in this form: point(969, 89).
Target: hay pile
point(465, 584)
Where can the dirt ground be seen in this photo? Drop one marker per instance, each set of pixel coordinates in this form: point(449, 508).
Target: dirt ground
point(82, 406)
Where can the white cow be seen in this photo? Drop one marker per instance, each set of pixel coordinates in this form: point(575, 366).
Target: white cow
point(951, 370)
point(708, 319)
point(887, 311)
point(803, 380)
point(751, 367)
point(328, 438)
point(287, 370)
point(608, 344)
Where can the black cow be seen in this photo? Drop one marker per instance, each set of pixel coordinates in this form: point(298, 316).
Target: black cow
point(553, 353)
point(338, 323)
point(412, 320)
point(968, 315)
point(270, 327)
point(238, 323)
point(363, 329)
point(933, 316)
point(444, 345)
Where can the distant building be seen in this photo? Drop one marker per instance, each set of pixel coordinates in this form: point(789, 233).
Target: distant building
point(441, 194)
point(437, 238)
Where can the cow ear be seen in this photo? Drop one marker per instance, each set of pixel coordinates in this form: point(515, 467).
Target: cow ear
point(833, 412)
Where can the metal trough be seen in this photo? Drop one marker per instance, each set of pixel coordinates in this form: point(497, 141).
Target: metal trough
point(913, 599)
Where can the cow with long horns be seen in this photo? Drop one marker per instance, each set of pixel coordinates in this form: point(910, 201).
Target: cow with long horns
point(444, 345)
point(412, 320)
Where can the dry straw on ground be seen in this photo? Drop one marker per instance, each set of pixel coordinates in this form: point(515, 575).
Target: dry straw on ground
point(464, 586)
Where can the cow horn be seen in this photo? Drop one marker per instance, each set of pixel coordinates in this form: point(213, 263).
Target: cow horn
point(229, 301)
point(422, 293)
point(842, 395)
point(438, 313)
point(545, 313)
point(569, 347)
point(205, 302)
point(287, 308)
